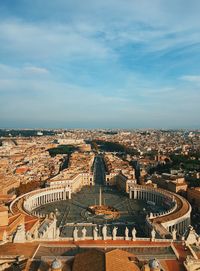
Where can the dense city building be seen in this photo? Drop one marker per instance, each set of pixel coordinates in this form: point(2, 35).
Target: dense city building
point(113, 200)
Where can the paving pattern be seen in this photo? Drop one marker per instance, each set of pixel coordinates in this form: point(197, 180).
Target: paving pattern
point(75, 212)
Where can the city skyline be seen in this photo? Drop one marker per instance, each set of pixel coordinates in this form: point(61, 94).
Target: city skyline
point(114, 64)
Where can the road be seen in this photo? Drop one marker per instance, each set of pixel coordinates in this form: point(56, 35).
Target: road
point(99, 171)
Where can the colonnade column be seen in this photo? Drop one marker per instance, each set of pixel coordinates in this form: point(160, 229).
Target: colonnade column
point(134, 194)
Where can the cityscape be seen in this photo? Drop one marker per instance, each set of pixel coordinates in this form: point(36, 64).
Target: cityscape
point(99, 135)
point(68, 194)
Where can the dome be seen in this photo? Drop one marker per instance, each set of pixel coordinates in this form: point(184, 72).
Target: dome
point(154, 264)
point(56, 264)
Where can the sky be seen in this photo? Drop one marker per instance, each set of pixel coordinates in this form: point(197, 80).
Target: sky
point(99, 64)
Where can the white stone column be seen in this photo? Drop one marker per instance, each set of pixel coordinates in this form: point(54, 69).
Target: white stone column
point(134, 194)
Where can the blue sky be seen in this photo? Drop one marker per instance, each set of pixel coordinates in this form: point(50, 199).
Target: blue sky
point(99, 64)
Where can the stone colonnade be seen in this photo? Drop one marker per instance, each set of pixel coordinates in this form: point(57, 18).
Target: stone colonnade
point(159, 196)
point(180, 226)
point(44, 196)
point(150, 194)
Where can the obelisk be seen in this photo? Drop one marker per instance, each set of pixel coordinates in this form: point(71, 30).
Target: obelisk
point(100, 197)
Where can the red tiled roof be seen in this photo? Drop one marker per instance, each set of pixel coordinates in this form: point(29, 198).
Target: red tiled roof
point(172, 265)
point(119, 260)
point(21, 170)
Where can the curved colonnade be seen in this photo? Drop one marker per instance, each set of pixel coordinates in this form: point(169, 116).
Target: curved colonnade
point(176, 217)
point(34, 199)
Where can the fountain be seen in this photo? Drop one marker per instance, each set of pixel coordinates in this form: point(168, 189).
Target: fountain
point(102, 210)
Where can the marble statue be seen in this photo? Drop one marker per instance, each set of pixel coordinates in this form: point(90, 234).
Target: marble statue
point(84, 231)
point(52, 215)
point(95, 233)
point(153, 234)
point(104, 232)
point(114, 233)
point(57, 233)
point(28, 236)
point(126, 233)
point(174, 234)
point(75, 234)
point(20, 234)
point(134, 234)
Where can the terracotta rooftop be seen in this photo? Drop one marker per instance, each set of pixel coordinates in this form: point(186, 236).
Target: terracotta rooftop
point(31, 223)
point(21, 170)
point(93, 258)
point(6, 198)
point(119, 260)
point(26, 249)
point(97, 260)
point(3, 208)
point(172, 265)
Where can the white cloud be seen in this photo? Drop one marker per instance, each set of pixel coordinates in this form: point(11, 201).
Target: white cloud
point(191, 78)
point(8, 73)
point(71, 44)
point(35, 70)
point(49, 42)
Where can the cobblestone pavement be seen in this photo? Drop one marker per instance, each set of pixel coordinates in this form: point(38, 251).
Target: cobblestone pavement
point(75, 211)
